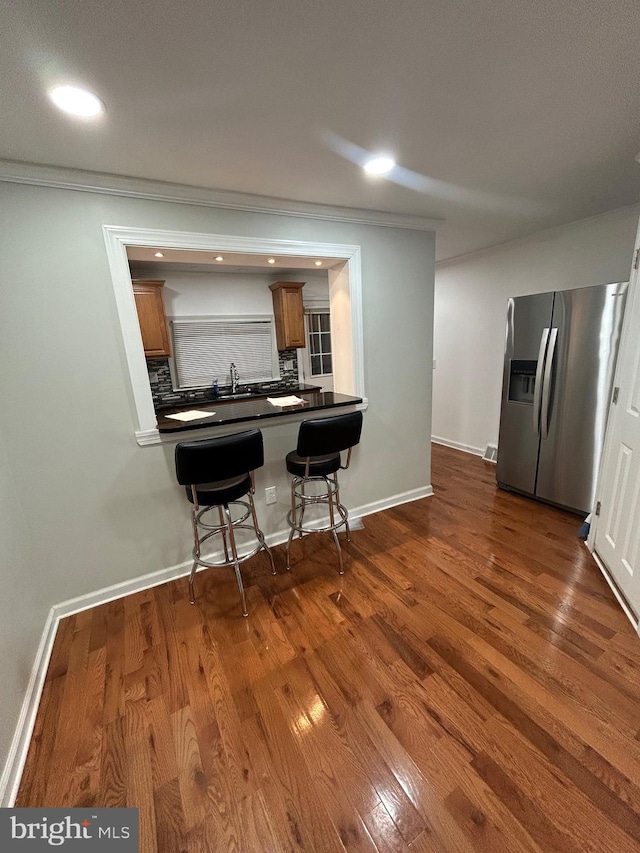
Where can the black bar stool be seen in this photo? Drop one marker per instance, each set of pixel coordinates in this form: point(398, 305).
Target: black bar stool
point(216, 473)
point(317, 460)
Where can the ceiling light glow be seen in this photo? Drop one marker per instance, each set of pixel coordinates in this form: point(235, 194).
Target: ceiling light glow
point(78, 102)
point(379, 165)
point(318, 263)
point(158, 255)
point(219, 258)
point(271, 261)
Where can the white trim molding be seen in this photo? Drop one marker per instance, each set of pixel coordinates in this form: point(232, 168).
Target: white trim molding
point(58, 177)
point(12, 773)
point(466, 448)
point(14, 767)
point(393, 500)
point(117, 238)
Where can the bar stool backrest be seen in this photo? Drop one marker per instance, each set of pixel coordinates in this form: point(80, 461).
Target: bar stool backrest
point(214, 459)
point(329, 435)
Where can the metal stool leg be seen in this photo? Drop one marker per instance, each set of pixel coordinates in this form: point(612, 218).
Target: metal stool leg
point(224, 535)
point(291, 523)
point(346, 520)
point(260, 535)
point(302, 508)
point(236, 564)
point(196, 552)
point(333, 530)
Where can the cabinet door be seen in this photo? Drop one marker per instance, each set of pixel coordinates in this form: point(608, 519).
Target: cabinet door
point(289, 313)
point(153, 324)
point(293, 315)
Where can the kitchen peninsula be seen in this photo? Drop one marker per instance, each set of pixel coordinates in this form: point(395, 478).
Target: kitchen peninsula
point(224, 412)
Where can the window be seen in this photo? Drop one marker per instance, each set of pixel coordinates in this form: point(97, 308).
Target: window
point(204, 347)
point(320, 343)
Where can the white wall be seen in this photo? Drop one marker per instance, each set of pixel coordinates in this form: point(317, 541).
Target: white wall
point(106, 510)
point(198, 293)
point(471, 307)
point(194, 293)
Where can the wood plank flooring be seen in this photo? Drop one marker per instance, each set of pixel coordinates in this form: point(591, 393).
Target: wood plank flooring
point(469, 684)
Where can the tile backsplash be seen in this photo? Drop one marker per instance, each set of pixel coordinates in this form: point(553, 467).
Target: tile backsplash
point(285, 356)
point(162, 389)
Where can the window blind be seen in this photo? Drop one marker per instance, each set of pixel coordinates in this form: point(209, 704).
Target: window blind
point(204, 348)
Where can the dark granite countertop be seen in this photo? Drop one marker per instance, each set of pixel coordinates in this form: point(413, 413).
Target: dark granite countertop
point(192, 400)
point(251, 409)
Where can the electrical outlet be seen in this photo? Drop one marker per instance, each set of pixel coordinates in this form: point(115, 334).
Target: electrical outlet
point(270, 494)
point(288, 365)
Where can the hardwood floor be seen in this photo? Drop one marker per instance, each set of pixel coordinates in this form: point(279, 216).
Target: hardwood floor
point(469, 684)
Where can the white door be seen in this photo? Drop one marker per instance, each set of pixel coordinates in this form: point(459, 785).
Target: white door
point(317, 356)
point(617, 528)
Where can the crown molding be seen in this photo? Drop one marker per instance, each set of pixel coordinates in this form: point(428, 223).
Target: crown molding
point(58, 177)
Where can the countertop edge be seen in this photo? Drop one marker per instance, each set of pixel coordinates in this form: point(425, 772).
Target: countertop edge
point(147, 438)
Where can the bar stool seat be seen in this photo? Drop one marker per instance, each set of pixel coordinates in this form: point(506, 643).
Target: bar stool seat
point(314, 465)
point(216, 473)
point(216, 494)
point(319, 466)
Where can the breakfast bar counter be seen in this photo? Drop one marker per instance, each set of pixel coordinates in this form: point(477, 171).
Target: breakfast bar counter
point(222, 412)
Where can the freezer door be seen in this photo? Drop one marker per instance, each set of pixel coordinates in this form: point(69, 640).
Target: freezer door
point(528, 322)
point(577, 392)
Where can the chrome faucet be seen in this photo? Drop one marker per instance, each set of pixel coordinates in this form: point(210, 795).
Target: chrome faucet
point(235, 377)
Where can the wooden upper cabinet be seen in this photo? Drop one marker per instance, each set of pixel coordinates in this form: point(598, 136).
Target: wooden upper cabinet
point(152, 317)
point(289, 313)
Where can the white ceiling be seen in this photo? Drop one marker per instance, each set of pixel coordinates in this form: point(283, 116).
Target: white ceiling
point(506, 116)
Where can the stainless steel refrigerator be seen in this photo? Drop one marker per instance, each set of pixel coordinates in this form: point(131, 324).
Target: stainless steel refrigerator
point(559, 363)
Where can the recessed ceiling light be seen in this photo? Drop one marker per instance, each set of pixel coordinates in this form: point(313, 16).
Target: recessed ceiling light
point(219, 258)
point(318, 263)
point(78, 102)
point(271, 261)
point(379, 165)
point(158, 255)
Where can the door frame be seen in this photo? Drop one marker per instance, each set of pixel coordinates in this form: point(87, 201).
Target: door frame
point(608, 459)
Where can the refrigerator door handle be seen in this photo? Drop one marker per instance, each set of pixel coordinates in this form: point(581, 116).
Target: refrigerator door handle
point(546, 388)
point(537, 393)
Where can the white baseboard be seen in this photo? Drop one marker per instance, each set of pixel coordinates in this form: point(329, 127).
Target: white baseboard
point(394, 500)
point(142, 582)
point(467, 448)
point(12, 773)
